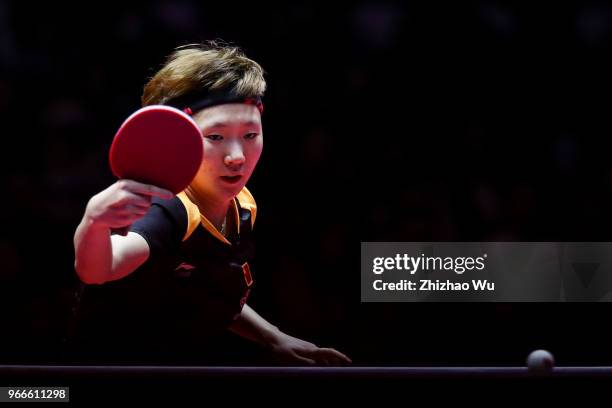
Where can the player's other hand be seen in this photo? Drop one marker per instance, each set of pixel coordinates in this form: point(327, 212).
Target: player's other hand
point(122, 203)
point(294, 351)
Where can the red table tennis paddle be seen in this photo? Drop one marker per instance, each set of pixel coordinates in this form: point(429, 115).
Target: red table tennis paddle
point(158, 145)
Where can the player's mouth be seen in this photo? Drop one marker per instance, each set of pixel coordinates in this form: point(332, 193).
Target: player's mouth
point(231, 179)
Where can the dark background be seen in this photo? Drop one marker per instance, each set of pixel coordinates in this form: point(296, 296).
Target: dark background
point(424, 121)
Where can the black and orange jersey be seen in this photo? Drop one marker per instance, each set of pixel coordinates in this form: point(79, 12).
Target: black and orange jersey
point(193, 284)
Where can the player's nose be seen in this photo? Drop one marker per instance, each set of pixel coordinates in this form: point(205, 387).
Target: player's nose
point(235, 156)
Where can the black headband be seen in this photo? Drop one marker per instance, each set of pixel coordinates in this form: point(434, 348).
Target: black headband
point(194, 102)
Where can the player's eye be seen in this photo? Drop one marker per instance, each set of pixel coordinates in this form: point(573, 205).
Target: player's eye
point(250, 136)
point(214, 137)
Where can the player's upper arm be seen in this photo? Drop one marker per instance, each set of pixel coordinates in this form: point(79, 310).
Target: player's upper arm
point(154, 236)
point(129, 252)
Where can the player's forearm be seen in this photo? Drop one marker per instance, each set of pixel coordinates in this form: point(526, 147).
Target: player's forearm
point(254, 327)
point(93, 252)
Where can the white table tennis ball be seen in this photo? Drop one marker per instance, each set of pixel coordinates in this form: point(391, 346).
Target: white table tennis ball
point(540, 361)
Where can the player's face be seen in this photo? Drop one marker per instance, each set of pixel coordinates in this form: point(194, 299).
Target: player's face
point(233, 141)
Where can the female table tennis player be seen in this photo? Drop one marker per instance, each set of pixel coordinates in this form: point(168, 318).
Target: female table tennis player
point(181, 274)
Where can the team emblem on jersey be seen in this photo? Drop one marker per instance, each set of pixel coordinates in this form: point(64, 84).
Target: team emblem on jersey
point(246, 271)
point(184, 270)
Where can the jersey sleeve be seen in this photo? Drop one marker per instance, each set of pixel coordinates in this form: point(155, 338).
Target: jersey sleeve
point(163, 227)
